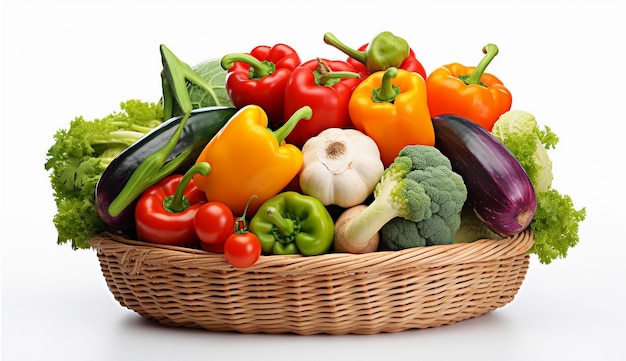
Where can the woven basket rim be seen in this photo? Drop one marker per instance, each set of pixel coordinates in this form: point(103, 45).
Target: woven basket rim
point(334, 293)
point(484, 250)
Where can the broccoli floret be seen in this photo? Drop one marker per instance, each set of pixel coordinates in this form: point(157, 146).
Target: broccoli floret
point(447, 194)
point(400, 233)
point(419, 187)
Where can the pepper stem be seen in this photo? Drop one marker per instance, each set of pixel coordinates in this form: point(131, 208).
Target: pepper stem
point(490, 51)
point(176, 203)
point(303, 113)
point(387, 91)
point(328, 77)
point(360, 56)
point(285, 226)
point(258, 68)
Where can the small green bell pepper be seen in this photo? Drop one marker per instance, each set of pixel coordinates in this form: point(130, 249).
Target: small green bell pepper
point(384, 51)
point(293, 223)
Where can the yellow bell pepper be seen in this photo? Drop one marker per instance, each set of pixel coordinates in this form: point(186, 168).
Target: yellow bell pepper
point(247, 158)
point(391, 107)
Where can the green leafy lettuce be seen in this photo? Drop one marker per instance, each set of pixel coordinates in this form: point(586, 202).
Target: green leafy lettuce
point(78, 158)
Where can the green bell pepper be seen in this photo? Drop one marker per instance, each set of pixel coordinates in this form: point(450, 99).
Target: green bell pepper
point(384, 51)
point(293, 223)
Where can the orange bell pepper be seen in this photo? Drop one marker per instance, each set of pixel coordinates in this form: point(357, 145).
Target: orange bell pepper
point(469, 91)
point(391, 108)
point(247, 158)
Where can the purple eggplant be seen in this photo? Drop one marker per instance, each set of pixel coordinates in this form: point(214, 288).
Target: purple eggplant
point(498, 189)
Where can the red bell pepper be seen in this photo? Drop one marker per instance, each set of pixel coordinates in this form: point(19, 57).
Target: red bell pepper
point(260, 78)
point(326, 87)
point(165, 212)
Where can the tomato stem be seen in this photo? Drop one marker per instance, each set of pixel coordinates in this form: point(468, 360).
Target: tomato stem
point(241, 225)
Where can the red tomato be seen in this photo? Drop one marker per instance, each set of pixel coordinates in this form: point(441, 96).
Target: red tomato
point(242, 249)
point(213, 223)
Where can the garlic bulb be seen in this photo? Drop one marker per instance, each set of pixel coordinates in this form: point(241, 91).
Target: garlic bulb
point(341, 167)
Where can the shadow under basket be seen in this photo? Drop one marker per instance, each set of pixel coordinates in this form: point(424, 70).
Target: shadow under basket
point(334, 293)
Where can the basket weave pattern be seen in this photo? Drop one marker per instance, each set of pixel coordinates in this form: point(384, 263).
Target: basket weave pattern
point(333, 293)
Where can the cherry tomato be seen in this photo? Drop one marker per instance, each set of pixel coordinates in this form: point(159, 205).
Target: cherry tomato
point(213, 223)
point(242, 249)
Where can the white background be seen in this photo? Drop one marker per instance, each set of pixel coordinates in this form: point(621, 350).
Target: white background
point(562, 60)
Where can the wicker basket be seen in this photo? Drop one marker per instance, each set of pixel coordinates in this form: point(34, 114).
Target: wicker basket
point(333, 293)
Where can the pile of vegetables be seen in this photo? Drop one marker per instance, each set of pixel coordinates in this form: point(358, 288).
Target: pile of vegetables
point(264, 153)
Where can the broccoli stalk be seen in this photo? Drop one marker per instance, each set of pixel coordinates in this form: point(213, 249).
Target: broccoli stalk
point(420, 188)
point(394, 196)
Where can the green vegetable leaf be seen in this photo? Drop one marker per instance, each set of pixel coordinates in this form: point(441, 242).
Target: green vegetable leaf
point(212, 93)
point(555, 225)
point(78, 158)
point(548, 138)
point(77, 221)
point(213, 73)
point(83, 172)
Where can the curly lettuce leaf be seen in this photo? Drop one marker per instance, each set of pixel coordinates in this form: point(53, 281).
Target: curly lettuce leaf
point(555, 225)
point(78, 158)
